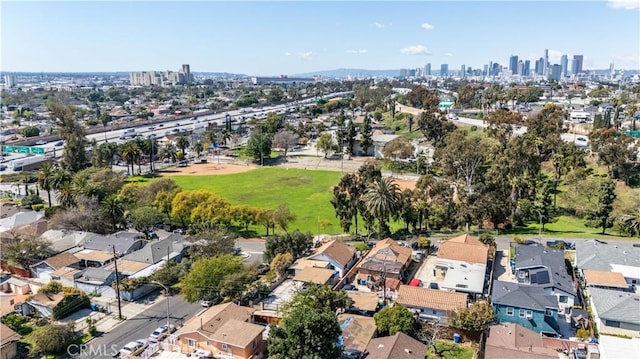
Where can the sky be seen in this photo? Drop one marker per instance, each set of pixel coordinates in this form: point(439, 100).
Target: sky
point(288, 37)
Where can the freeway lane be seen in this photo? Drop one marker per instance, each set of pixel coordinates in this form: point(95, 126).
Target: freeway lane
point(142, 325)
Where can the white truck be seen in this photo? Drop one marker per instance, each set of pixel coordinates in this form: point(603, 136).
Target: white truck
point(128, 133)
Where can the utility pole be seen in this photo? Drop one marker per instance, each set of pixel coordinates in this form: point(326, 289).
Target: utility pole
point(115, 266)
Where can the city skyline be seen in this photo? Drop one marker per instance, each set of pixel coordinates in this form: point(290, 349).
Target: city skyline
point(271, 38)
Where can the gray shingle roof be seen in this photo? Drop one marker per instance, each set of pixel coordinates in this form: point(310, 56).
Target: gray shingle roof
point(600, 256)
point(616, 305)
point(97, 275)
point(552, 260)
point(156, 251)
point(522, 296)
point(124, 242)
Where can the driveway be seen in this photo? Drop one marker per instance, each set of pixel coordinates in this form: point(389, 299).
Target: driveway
point(252, 249)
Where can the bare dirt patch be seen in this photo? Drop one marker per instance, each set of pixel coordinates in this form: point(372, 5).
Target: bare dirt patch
point(206, 169)
point(405, 184)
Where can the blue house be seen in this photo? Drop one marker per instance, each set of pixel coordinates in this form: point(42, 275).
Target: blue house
point(526, 305)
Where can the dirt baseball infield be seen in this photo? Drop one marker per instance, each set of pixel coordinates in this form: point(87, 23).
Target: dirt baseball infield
point(206, 169)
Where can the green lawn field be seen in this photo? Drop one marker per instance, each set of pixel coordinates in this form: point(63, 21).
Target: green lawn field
point(307, 193)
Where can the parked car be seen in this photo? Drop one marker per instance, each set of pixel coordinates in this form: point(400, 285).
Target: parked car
point(434, 285)
point(206, 303)
point(59, 143)
point(134, 348)
point(161, 332)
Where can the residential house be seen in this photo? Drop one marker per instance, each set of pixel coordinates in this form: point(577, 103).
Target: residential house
point(19, 219)
point(357, 331)
point(397, 346)
point(525, 305)
point(508, 341)
point(172, 247)
point(340, 256)
point(8, 342)
point(123, 242)
point(545, 268)
point(606, 280)
point(391, 286)
point(611, 347)
point(603, 257)
point(44, 303)
point(322, 276)
point(44, 268)
point(364, 303)
point(93, 258)
point(97, 281)
point(615, 312)
point(63, 240)
point(302, 263)
point(66, 276)
point(127, 267)
point(387, 259)
point(223, 331)
point(431, 304)
point(462, 264)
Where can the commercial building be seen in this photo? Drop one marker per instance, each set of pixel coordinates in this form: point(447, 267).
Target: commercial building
point(427, 70)
point(162, 78)
point(555, 72)
point(513, 64)
point(564, 63)
point(444, 70)
point(576, 65)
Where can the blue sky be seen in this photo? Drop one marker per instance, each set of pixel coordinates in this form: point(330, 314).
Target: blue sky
point(272, 38)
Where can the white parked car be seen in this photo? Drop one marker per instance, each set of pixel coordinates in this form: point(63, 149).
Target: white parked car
point(162, 332)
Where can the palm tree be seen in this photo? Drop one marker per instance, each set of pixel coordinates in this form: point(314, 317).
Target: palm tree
point(45, 179)
point(114, 207)
point(130, 152)
point(198, 148)
point(381, 199)
point(66, 196)
point(182, 142)
point(168, 152)
point(59, 177)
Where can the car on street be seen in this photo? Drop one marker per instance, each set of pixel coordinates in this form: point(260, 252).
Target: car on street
point(134, 348)
point(59, 143)
point(206, 303)
point(3, 167)
point(161, 332)
point(41, 142)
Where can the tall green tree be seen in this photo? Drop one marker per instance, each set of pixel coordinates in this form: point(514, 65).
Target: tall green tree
point(113, 207)
point(382, 198)
point(476, 318)
point(45, 179)
point(309, 328)
point(366, 131)
point(600, 217)
point(182, 143)
point(259, 145)
point(71, 131)
point(393, 319)
point(325, 144)
point(206, 274)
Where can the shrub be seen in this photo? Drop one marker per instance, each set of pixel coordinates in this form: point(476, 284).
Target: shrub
point(37, 207)
point(361, 247)
point(583, 334)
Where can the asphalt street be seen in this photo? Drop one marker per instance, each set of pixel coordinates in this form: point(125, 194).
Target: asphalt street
point(141, 326)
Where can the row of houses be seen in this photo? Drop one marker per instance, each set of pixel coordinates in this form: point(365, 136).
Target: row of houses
point(87, 261)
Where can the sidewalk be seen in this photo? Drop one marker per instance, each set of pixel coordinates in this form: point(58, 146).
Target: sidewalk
point(129, 310)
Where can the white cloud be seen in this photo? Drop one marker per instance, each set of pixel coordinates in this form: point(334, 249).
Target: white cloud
point(362, 51)
point(427, 26)
point(307, 56)
point(379, 25)
point(624, 4)
point(415, 50)
point(448, 54)
point(287, 53)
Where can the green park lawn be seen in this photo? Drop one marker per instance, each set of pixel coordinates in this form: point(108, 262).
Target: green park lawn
point(306, 193)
